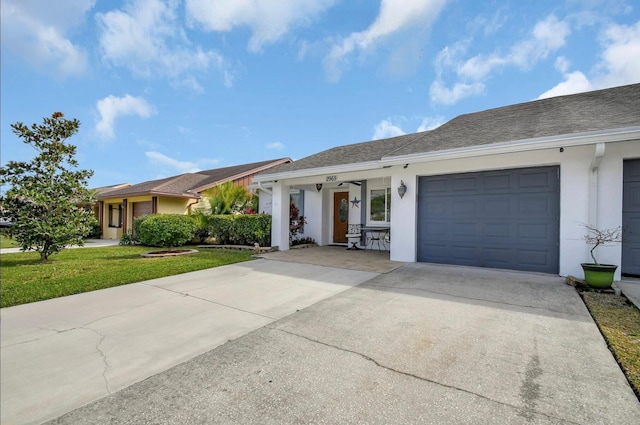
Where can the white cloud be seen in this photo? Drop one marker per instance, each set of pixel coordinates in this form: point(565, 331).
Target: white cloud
point(385, 129)
point(111, 107)
point(394, 16)
point(181, 167)
point(275, 146)
point(38, 32)
point(547, 36)
point(619, 64)
point(145, 37)
point(430, 123)
point(267, 20)
point(575, 82)
point(441, 94)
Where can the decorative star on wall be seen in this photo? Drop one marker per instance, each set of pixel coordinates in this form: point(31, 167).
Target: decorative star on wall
point(355, 202)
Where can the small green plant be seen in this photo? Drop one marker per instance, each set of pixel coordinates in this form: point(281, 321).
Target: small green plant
point(128, 238)
point(167, 230)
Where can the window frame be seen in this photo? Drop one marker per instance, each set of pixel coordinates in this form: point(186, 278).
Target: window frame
point(387, 204)
point(119, 211)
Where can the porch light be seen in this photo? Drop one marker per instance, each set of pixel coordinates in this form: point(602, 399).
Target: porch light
point(402, 189)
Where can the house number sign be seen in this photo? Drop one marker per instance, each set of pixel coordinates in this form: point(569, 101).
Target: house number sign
point(331, 178)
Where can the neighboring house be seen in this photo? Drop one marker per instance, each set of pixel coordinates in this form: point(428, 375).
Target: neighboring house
point(502, 188)
point(117, 207)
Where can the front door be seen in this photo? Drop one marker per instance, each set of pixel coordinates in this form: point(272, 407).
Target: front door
point(340, 216)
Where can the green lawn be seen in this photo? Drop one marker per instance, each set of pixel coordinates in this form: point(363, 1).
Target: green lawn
point(73, 271)
point(6, 242)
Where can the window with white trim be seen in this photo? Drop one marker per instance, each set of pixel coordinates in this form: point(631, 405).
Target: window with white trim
point(379, 205)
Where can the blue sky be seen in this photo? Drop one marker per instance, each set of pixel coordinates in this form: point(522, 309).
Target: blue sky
point(167, 87)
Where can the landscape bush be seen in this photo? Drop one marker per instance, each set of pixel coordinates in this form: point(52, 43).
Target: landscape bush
point(131, 237)
point(241, 229)
point(166, 230)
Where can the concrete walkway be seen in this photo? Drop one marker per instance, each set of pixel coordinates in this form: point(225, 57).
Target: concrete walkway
point(630, 287)
point(61, 354)
point(89, 243)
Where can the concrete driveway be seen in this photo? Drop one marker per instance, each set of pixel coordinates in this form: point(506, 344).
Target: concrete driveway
point(61, 354)
point(421, 344)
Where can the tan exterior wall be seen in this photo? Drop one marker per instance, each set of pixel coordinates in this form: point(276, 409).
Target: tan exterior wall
point(173, 205)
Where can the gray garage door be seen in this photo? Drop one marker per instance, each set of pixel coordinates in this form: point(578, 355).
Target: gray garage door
point(631, 218)
point(506, 219)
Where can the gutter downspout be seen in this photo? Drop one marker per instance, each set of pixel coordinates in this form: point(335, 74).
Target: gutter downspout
point(267, 191)
point(593, 184)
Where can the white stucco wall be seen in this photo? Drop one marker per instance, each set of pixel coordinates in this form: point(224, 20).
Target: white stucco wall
point(576, 179)
point(575, 171)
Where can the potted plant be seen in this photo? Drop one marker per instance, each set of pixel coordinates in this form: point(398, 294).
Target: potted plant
point(600, 276)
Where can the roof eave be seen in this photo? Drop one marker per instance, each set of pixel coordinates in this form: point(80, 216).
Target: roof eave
point(309, 172)
point(241, 175)
point(524, 145)
point(149, 193)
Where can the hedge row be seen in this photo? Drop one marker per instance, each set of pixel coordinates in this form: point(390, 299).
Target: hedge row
point(174, 229)
point(241, 229)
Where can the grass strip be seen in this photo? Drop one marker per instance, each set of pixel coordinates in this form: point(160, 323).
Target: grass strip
point(24, 279)
point(619, 323)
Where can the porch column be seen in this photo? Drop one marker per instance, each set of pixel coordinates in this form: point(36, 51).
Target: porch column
point(280, 216)
point(101, 217)
point(125, 215)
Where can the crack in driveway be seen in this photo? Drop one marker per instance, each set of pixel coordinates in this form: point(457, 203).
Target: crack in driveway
point(527, 411)
point(104, 358)
point(186, 294)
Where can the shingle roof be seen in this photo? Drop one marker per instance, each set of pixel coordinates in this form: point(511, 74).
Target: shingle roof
point(607, 109)
point(189, 184)
point(617, 107)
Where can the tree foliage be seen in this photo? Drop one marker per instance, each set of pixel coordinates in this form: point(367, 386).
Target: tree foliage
point(229, 199)
point(47, 199)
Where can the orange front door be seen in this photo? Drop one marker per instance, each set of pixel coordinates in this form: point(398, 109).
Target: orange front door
point(340, 216)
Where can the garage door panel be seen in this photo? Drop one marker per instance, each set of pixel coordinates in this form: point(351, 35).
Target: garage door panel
point(497, 182)
point(535, 180)
point(533, 258)
point(631, 218)
point(465, 184)
point(491, 220)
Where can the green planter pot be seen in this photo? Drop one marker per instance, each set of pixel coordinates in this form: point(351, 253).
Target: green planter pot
point(599, 276)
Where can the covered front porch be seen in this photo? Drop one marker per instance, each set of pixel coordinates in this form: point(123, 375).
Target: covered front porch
point(335, 207)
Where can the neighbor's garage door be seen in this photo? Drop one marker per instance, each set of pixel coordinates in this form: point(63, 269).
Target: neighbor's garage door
point(142, 208)
point(631, 218)
point(506, 219)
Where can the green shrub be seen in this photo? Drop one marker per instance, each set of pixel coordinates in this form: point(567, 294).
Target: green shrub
point(166, 230)
point(241, 229)
point(128, 238)
point(201, 219)
point(95, 232)
point(137, 221)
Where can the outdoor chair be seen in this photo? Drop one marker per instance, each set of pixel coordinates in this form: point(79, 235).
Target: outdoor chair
point(354, 235)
